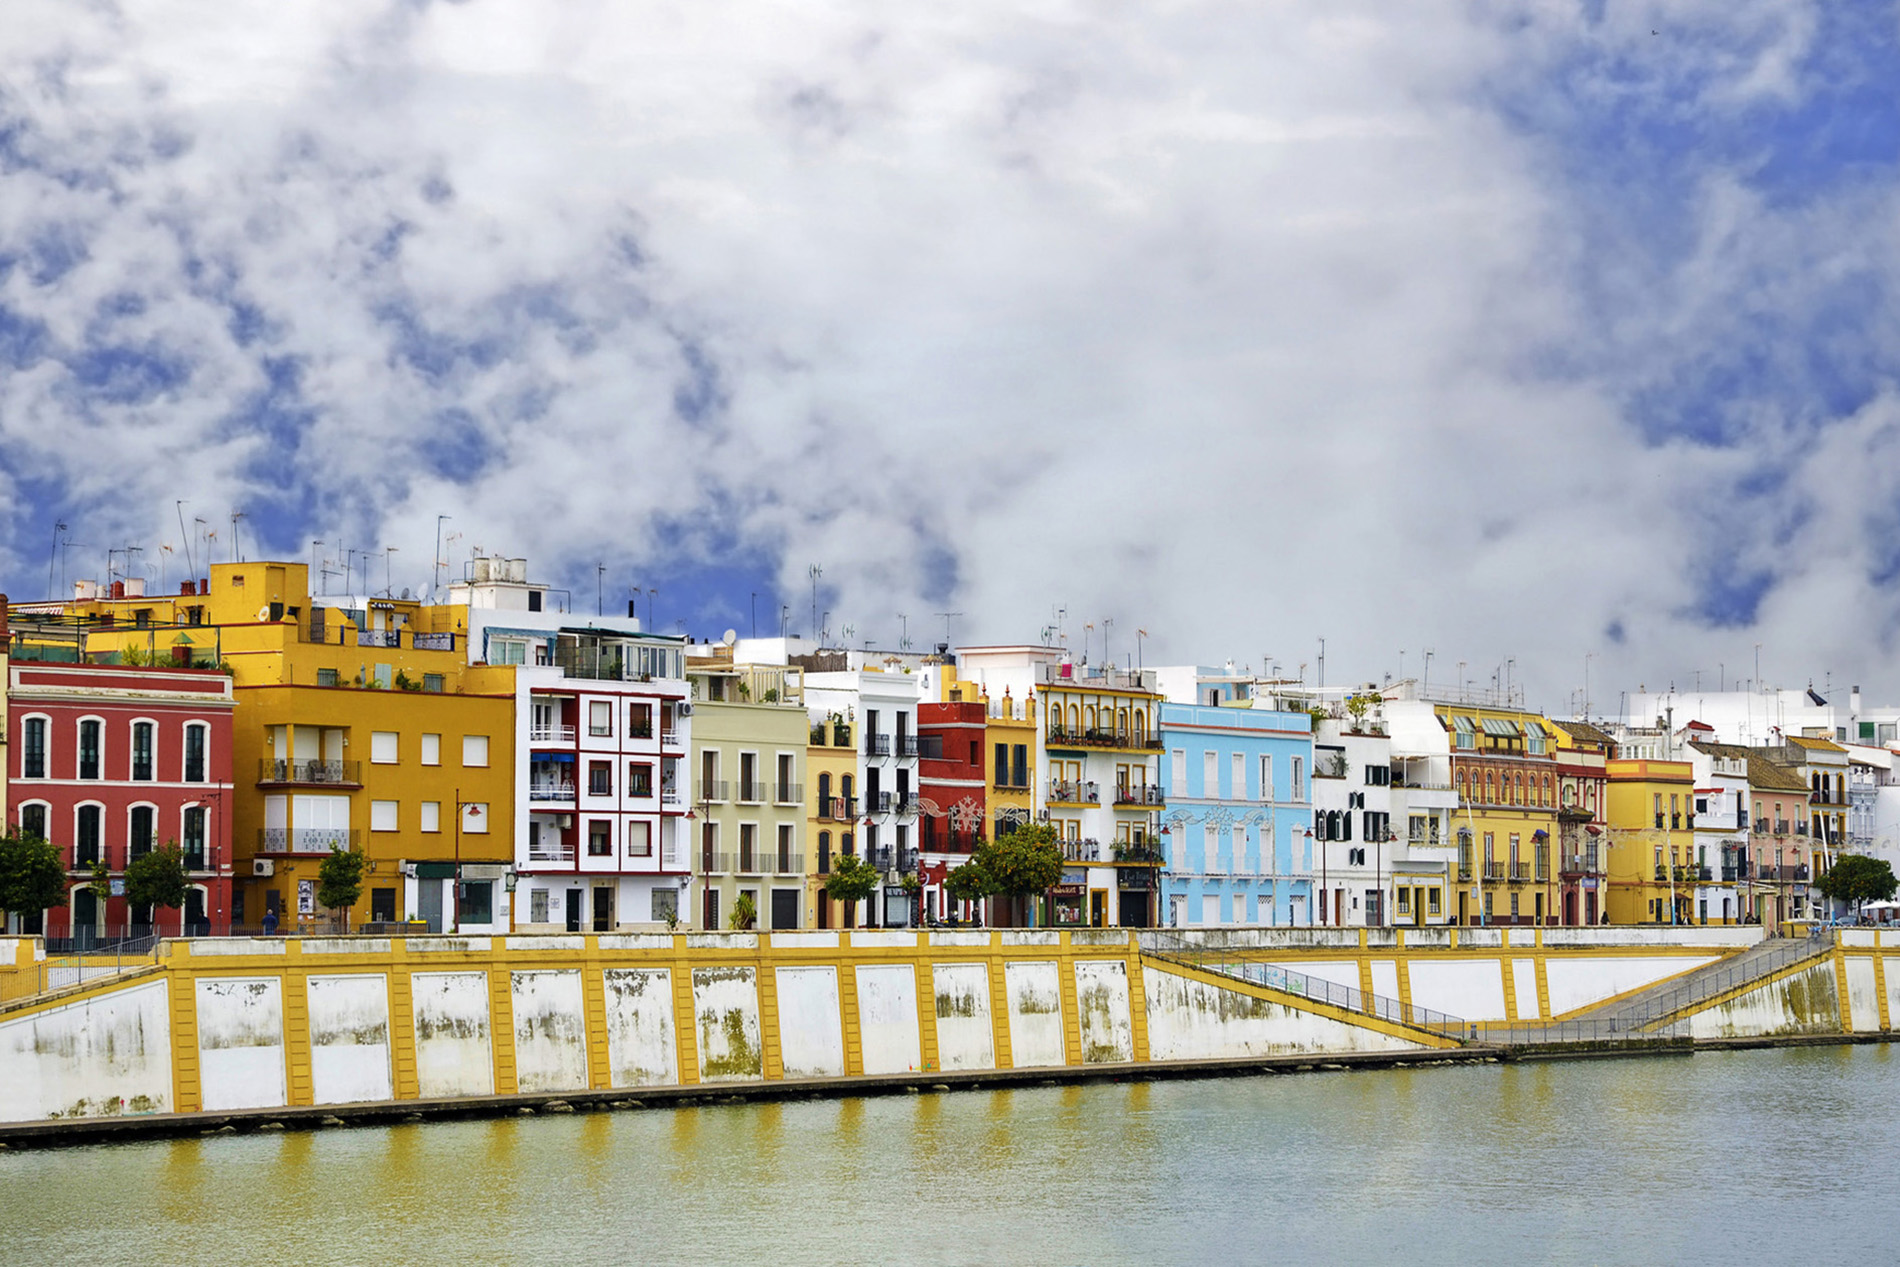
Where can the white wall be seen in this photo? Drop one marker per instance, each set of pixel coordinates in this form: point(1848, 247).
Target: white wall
point(1575, 983)
point(99, 1057)
point(887, 1018)
point(1863, 995)
point(1191, 1020)
point(1035, 1014)
point(1805, 1003)
point(1101, 1002)
point(641, 1051)
point(550, 1031)
point(349, 1038)
point(241, 1042)
point(1470, 990)
point(811, 1035)
point(966, 1037)
point(454, 1054)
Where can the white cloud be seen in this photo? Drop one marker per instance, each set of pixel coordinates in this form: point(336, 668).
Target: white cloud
point(1246, 324)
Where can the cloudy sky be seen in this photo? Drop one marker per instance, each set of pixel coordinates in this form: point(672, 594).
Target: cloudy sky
point(1534, 330)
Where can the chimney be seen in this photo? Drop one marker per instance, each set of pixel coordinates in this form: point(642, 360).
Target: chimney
point(204, 585)
point(187, 588)
point(632, 612)
point(118, 589)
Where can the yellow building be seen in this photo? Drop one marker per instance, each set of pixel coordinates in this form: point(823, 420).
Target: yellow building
point(1505, 771)
point(749, 739)
point(1781, 842)
point(364, 725)
point(831, 764)
point(1653, 874)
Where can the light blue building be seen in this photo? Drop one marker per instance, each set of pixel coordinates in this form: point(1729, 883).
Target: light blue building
point(1238, 838)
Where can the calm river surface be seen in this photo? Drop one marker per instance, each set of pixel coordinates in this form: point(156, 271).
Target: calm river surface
point(1785, 1156)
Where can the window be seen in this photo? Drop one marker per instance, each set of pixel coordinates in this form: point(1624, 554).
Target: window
point(382, 676)
point(326, 677)
point(475, 818)
point(194, 838)
point(749, 777)
point(785, 848)
point(382, 815)
point(195, 754)
point(33, 820)
point(824, 853)
point(429, 816)
point(600, 718)
point(785, 791)
point(1296, 779)
point(33, 749)
point(1210, 775)
point(639, 840)
point(475, 751)
point(1238, 774)
point(432, 683)
point(142, 751)
point(1266, 778)
point(1002, 765)
point(382, 747)
point(478, 903)
point(639, 721)
point(139, 837)
point(639, 779)
point(1432, 900)
point(1020, 753)
point(89, 749)
point(538, 906)
point(432, 750)
point(600, 838)
point(600, 778)
point(87, 826)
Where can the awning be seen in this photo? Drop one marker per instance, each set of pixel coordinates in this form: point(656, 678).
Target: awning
point(553, 756)
point(435, 870)
point(1462, 723)
point(1500, 727)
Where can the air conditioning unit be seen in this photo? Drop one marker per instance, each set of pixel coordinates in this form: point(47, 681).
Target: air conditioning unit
point(263, 866)
point(684, 709)
point(564, 821)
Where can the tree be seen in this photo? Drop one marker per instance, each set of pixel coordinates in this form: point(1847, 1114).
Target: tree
point(32, 874)
point(1857, 878)
point(340, 880)
point(745, 913)
point(852, 880)
point(157, 879)
point(1022, 863)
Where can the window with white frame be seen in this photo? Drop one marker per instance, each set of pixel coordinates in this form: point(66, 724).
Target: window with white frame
point(382, 747)
point(382, 815)
point(475, 751)
point(429, 816)
point(432, 750)
point(1238, 773)
point(1266, 777)
point(1210, 774)
point(600, 718)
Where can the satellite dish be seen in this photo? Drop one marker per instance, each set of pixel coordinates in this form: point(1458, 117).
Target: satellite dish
point(729, 637)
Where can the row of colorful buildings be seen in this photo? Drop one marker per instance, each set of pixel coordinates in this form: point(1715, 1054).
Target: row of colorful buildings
point(506, 764)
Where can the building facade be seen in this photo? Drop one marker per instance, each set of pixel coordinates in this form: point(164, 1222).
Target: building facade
point(750, 735)
point(110, 762)
point(1238, 845)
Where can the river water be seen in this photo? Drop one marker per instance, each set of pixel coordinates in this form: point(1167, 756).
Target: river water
point(1758, 1156)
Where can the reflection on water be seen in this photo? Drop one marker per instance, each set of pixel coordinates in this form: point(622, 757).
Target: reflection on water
point(1742, 1156)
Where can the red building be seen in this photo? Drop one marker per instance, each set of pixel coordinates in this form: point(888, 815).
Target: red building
point(110, 762)
point(951, 779)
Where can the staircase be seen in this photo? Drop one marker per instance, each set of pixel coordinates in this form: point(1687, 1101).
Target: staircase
point(1655, 1005)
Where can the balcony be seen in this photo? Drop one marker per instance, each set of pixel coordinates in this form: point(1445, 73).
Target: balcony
point(907, 805)
point(1062, 792)
point(877, 745)
point(877, 802)
point(671, 739)
point(432, 641)
point(1060, 736)
point(389, 638)
point(551, 734)
point(907, 745)
point(788, 793)
point(1495, 870)
point(1139, 853)
point(712, 862)
point(306, 839)
point(1781, 827)
point(1580, 864)
point(551, 792)
point(669, 794)
point(1081, 851)
point(1464, 869)
point(550, 851)
point(1140, 794)
point(1006, 784)
point(327, 773)
point(713, 791)
point(837, 735)
point(1520, 872)
point(750, 793)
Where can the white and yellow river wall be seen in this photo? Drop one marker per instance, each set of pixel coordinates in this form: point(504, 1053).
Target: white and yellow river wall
point(218, 1025)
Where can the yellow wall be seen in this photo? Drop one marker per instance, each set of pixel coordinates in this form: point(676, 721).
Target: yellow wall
point(1634, 839)
point(766, 730)
point(837, 761)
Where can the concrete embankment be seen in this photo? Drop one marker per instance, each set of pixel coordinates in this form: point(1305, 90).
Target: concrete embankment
point(300, 1033)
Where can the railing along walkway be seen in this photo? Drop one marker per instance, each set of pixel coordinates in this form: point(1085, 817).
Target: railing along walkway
point(1246, 965)
point(1670, 998)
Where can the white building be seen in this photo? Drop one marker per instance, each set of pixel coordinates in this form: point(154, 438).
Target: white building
point(882, 705)
point(602, 732)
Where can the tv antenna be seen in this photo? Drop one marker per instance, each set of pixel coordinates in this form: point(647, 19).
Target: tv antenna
point(947, 618)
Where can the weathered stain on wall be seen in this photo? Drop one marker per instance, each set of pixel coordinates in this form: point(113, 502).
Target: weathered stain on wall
point(641, 1051)
point(454, 1055)
point(966, 1036)
point(1863, 995)
point(887, 1018)
point(726, 1008)
point(811, 1035)
point(1035, 1014)
point(1807, 1002)
point(349, 1038)
point(96, 1058)
point(1101, 1002)
point(241, 1042)
point(550, 1032)
point(1192, 1020)
point(1523, 988)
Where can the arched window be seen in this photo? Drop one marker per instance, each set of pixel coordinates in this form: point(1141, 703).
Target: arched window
point(1075, 720)
point(88, 835)
point(1141, 727)
point(33, 819)
point(824, 795)
point(33, 748)
point(140, 829)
